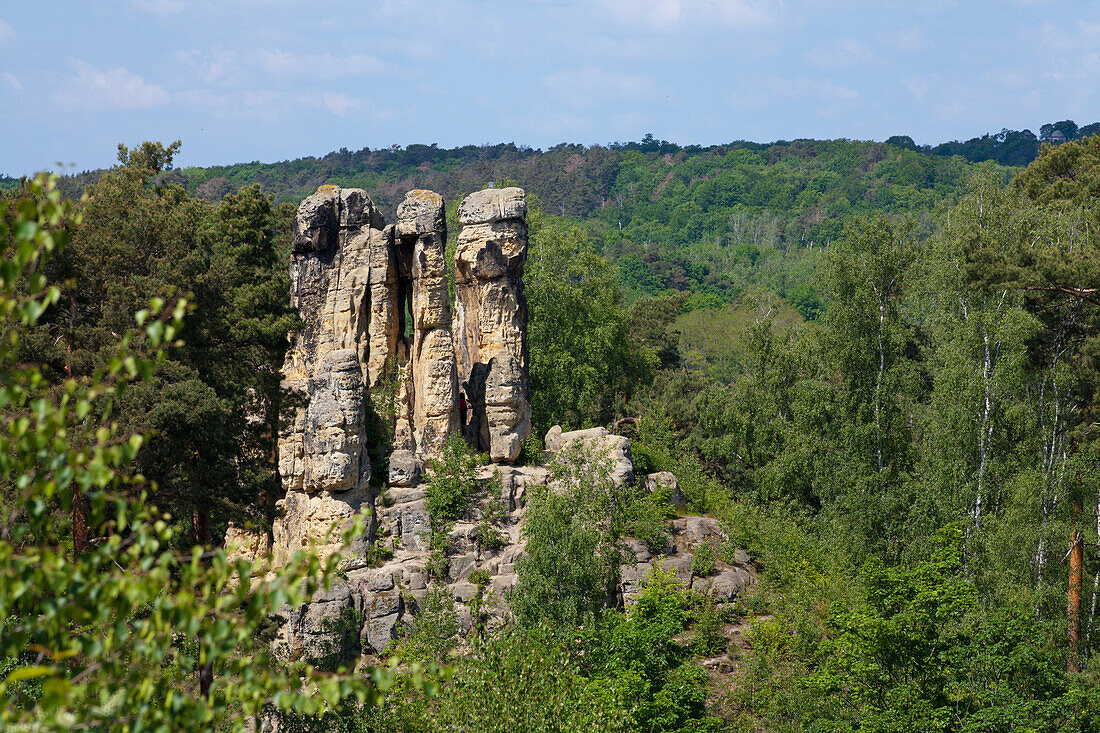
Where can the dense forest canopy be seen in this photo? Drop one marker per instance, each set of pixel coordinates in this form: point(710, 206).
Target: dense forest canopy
point(876, 365)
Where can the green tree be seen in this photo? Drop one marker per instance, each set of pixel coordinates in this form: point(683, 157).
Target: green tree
point(921, 655)
point(637, 652)
point(452, 486)
point(111, 637)
point(572, 555)
point(212, 411)
point(582, 364)
point(874, 350)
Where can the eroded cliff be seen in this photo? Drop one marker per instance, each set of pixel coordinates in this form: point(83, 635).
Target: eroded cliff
point(385, 370)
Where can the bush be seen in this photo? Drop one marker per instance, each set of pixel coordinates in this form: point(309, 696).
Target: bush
point(709, 622)
point(433, 632)
point(705, 560)
point(573, 532)
point(451, 487)
point(525, 681)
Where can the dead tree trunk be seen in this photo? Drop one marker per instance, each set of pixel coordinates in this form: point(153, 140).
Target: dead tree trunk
point(1073, 612)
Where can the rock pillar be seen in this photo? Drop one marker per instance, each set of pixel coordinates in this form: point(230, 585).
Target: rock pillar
point(422, 235)
point(490, 332)
point(323, 459)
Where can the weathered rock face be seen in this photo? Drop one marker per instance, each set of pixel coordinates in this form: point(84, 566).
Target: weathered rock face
point(385, 597)
point(323, 457)
point(490, 333)
point(422, 233)
point(352, 280)
point(377, 340)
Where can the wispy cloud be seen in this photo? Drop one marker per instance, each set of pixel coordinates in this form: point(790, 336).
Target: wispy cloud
point(671, 14)
point(159, 7)
point(844, 52)
point(89, 88)
point(582, 88)
point(587, 87)
point(215, 66)
point(916, 87)
point(12, 82)
point(775, 89)
point(7, 33)
point(908, 40)
point(319, 65)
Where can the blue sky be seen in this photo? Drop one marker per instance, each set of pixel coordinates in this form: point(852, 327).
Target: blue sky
point(241, 80)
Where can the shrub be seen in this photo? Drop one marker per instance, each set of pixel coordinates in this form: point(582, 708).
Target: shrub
point(451, 487)
point(705, 560)
point(433, 632)
point(572, 556)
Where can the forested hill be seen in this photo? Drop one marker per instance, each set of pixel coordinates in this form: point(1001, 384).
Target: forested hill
point(615, 182)
point(712, 221)
point(580, 181)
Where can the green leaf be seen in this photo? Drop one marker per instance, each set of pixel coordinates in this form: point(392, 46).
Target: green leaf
point(28, 673)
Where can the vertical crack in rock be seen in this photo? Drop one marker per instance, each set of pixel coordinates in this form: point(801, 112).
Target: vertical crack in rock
point(432, 386)
point(353, 280)
point(491, 321)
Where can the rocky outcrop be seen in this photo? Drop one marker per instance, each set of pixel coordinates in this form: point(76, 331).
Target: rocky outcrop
point(378, 353)
point(382, 598)
point(598, 446)
point(356, 360)
point(490, 332)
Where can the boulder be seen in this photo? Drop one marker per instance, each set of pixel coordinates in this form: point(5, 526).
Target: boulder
point(600, 445)
point(404, 468)
point(726, 586)
point(665, 483)
point(493, 204)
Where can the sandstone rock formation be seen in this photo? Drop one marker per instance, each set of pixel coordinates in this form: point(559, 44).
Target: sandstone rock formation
point(491, 320)
point(386, 596)
point(353, 278)
point(378, 368)
point(323, 455)
point(431, 387)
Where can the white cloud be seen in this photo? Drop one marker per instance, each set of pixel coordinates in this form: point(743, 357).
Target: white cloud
point(227, 68)
point(814, 88)
point(12, 82)
point(325, 66)
point(7, 33)
point(917, 87)
point(159, 7)
point(908, 40)
point(1069, 55)
point(217, 66)
point(339, 103)
point(669, 14)
point(581, 88)
point(845, 52)
point(826, 95)
point(89, 88)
